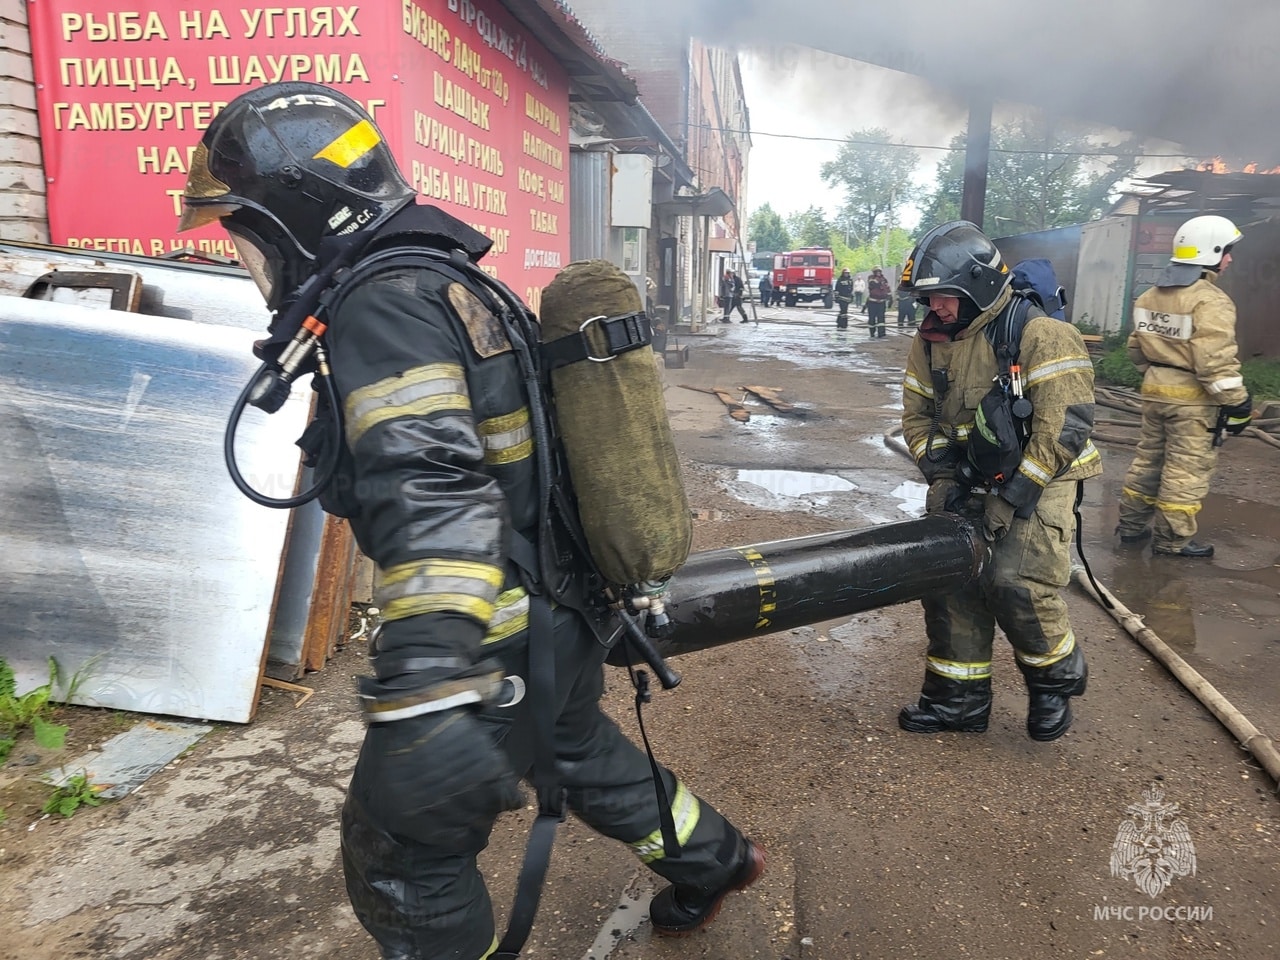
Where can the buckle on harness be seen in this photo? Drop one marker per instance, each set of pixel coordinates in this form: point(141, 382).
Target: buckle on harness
point(625, 332)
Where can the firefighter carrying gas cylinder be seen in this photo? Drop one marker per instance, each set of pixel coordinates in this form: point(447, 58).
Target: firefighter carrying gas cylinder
point(1026, 513)
point(1184, 341)
point(478, 679)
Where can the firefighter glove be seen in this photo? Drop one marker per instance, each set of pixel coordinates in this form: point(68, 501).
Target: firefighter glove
point(933, 471)
point(997, 517)
point(441, 777)
point(1238, 416)
point(945, 496)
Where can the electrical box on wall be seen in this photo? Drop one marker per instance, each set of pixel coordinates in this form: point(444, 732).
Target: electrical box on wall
point(631, 193)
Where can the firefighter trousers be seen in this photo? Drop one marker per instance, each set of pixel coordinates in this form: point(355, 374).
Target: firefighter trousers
point(875, 317)
point(1170, 473)
point(1020, 589)
point(424, 901)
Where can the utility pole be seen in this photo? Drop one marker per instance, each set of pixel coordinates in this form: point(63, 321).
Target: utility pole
point(888, 225)
point(977, 152)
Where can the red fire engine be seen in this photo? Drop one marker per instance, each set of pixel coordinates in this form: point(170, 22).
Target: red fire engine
point(805, 275)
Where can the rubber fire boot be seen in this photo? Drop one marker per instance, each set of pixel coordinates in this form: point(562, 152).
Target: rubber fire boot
point(1133, 536)
point(1197, 551)
point(1049, 693)
point(963, 706)
point(678, 911)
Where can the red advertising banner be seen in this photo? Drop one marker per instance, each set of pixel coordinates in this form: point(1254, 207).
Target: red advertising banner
point(474, 109)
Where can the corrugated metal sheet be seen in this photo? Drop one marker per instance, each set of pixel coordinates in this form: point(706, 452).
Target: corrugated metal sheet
point(127, 554)
point(589, 204)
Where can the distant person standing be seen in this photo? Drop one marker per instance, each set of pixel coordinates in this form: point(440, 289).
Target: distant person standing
point(906, 311)
point(859, 291)
point(766, 290)
point(879, 294)
point(844, 297)
point(1184, 342)
point(731, 296)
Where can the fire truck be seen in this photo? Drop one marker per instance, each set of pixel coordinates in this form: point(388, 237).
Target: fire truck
point(805, 275)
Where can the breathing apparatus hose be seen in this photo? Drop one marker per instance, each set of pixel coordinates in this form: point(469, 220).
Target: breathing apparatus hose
point(324, 468)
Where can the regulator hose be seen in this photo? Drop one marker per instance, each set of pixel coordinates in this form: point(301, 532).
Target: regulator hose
point(324, 468)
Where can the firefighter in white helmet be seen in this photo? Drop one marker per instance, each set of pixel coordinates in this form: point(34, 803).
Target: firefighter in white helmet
point(1184, 342)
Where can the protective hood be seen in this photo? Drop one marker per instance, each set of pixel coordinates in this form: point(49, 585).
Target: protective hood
point(1180, 275)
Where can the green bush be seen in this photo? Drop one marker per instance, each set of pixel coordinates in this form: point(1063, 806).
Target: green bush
point(1115, 367)
point(1261, 377)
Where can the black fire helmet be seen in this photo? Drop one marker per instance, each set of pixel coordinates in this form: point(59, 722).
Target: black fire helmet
point(959, 260)
point(285, 165)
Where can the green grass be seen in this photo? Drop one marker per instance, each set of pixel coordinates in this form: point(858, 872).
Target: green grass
point(32, 709)
point(75, 793)
point(1261, 377)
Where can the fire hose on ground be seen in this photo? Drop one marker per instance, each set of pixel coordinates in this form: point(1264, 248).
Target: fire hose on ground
point(1127, 401)
point(1250, 737)
point(1258, 744)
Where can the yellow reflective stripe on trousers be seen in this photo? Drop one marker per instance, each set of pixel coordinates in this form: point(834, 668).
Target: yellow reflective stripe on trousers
point(1063, 649)
point(1190, 509)
point(418, 392)
point(507, 439)
point(685, 811)
point(435, 585)
point(493, 948)
point(1042, 372)
point(1134, 494)
point(510, 615)
point(955, 670)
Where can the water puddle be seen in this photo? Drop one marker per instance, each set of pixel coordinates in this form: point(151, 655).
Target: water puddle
point(910, 495)
point(794, 483)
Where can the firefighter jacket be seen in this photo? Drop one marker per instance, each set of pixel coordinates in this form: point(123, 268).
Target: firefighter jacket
point(1184, 341)
point(844, 289)
point(1057, 375)
point(878, 287)
point(438, 470)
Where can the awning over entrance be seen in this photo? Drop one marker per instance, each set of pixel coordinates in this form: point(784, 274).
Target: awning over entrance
point(714, 203)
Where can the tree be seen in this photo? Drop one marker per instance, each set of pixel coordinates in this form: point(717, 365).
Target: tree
point(768, 231)
point(1037, 179)
point(875, 175)
point(810, 228)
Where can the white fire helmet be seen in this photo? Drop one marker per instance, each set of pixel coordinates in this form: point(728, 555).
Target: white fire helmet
point(1203, 240)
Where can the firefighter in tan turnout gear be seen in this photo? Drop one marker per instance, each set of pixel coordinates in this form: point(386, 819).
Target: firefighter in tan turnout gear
point(1027, 512)
point(1184, 341)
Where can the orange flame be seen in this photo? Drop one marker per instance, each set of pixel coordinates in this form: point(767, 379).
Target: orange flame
point(1218, 165)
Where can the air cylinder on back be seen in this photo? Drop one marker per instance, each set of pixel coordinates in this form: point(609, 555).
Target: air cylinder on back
point(618, 442)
